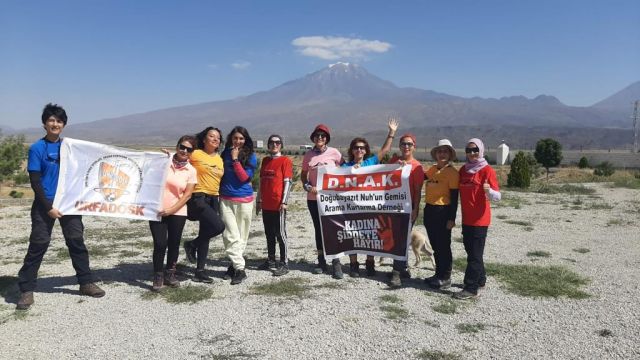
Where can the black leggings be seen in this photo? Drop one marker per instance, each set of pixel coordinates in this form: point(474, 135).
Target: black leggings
point(211, 225)
point(166, 239)
point(312, 205)
point(435, 221)
point(474, 238)
point(275, 228)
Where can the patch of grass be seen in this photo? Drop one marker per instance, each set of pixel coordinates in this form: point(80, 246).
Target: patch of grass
point(569, 189)
point(570, 260)
point(615, 222)
point(598, 206)
point(19, 241)
point(142, 244)
point(502, 217)
point(329, 285)
point(100, 250)
point(629, 183)
point(190, 294)
point(581, 250)
point(511, 200)
point(288, 287)
point(62, 254)
point(437, 355)
point(446, 306)
point(458, 239)
point(433, 324)
point(390, 298)
point(605, 333)
point(394, 312)
point(257, 233)
point(129, 253)
point(519, 222)
point(469, 328)
point(15, 315)
point(539, 253)
point(534, 280)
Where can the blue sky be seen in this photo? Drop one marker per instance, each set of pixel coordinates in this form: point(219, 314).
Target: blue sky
point(103, 59)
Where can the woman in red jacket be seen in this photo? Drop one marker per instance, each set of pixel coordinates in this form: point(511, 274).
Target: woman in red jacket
point(478, 185)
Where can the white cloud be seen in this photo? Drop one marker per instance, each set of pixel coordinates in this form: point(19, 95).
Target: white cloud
point(333, 48)
point(240, 64)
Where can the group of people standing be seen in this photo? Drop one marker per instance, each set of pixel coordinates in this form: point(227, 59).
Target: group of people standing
point(210, 181)
point(475, 183)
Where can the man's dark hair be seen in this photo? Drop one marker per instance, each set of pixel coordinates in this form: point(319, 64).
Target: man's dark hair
point(54, 110)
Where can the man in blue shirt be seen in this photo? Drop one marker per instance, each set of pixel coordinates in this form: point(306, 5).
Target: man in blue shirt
point(44, 167)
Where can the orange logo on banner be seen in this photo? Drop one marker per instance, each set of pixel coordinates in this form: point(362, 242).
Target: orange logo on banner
point(364, 182)
point(113, 181)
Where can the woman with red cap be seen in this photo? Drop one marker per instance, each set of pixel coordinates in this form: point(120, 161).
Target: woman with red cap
point(407, 147)
point(320, 155)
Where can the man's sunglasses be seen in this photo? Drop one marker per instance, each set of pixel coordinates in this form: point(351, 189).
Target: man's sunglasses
point(472, 150)
point(185, 148)
point(275, 142)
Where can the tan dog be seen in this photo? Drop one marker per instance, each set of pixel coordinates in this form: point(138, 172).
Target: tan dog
point(419, 244)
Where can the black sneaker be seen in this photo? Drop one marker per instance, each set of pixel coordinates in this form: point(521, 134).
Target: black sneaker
point(200, 276)
point(268, 264)
point(320, 268)
point(354, 270)
point(238, 277)
point(371, 268)
point(190, 251)
point(439, 284)
point(337, 269)
point(230, 273)
point(464, 295)
point(282, 270)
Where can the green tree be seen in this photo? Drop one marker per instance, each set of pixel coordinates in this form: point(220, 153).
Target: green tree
point(519, 176)
point(548, 153)
point(12, 154)
point(583, 163)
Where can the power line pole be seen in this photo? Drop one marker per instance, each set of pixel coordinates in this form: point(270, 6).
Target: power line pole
point(636, 126)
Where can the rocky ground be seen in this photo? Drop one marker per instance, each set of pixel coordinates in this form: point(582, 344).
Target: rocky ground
point(317, 317)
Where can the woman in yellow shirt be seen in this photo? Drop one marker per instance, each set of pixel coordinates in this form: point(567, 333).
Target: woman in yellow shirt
point(204, 204)
point(441, 203)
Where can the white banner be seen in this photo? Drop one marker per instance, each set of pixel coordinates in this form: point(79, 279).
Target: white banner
point(365, 210)
point(103, 180)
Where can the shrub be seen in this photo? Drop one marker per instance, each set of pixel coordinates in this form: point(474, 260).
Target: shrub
point(605, 168)
point(583, 163)
point(534, 166)
point(16, 194)
point(519, 176)
point(12, 153)
point(21, 178)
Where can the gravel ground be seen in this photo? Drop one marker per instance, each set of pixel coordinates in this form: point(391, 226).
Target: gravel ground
point(338, 318)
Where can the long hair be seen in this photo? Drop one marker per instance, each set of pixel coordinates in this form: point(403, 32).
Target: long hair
point(367, 153)
point(203, 134)
point(247, 148)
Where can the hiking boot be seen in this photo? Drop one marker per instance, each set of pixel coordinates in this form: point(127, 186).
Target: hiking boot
point(337, 269)
point(371, 267)
point(25, 301)
point(230, 273)
point(92, 290)
point(158, 281)
point(238, 277)
point(190, 251)
point(439, 284)
point(354, 270)
point(320, 268)
point(395, 281)
point(200, 276)
point(170, 278)
point(282, 270)
point(268, 264)
point(464, 295)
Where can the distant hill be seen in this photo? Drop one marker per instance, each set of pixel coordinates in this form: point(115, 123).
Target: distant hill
point(353, 102)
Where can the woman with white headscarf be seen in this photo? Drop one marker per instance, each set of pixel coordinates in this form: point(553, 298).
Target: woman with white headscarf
point(478, 185)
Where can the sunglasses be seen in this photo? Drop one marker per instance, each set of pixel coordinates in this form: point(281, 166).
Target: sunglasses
point(320, 135)
point(407, 144)
point(359, 148)
point(185, 148)
point(471, 150)
point(275, 142)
